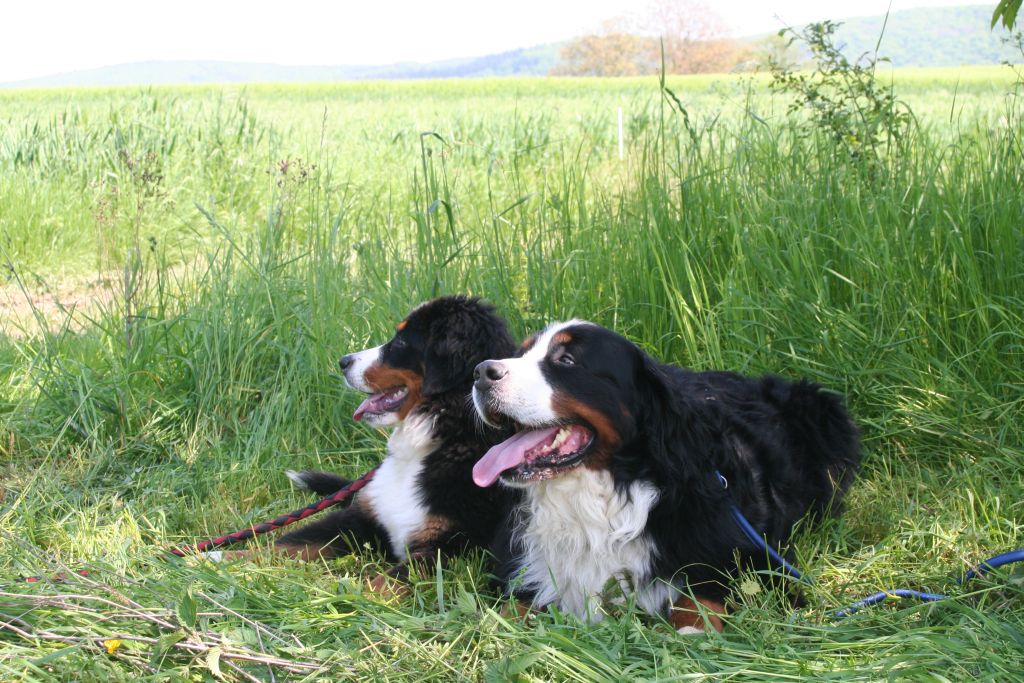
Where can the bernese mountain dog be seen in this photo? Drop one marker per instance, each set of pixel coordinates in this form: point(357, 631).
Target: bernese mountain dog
point(617, 458)
point(422, 498)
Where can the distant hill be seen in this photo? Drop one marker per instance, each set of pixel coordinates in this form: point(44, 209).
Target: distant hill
point(533, 61)
point(932, 36)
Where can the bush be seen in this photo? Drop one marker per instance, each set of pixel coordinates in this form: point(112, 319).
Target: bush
point(843, 98)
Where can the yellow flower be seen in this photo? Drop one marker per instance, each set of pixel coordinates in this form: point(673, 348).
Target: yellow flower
point(112, 645)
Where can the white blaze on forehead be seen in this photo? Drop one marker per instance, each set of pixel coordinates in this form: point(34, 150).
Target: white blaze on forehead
point(540, 347)
point(361, 361)
point(524, 394)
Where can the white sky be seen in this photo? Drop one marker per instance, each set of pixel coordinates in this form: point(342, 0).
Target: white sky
point(45, 36)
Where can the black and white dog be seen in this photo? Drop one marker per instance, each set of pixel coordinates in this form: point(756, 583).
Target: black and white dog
point(616, 457)
point(422, 498)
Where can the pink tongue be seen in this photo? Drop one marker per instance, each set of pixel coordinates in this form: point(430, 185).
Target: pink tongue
point(508, 454)
point(367, 405)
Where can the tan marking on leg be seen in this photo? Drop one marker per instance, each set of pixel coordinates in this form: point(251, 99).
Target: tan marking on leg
point(426, 538)
point(387, 587)
point(301, 552)
point(307, 552)
point(394, 583)
point(685, 614)
point(518, 608)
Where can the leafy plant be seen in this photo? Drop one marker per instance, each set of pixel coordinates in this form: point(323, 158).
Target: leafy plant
point(1006, 12)
point(1016, 41)
point(843, 97)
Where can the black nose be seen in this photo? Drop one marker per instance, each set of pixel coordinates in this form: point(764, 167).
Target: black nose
point(346, 362)
point(488, 374)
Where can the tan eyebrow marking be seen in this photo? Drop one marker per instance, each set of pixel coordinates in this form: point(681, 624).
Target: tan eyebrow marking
point(562, 338)
point(401, 326)
point(529, 342)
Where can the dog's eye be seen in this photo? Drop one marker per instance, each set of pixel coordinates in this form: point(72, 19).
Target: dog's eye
point(565, 358)
point(398, 343)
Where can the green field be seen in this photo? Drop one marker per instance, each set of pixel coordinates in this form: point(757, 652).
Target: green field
point(183, 267)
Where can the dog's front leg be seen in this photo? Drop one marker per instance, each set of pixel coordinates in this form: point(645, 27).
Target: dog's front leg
point(337, 534)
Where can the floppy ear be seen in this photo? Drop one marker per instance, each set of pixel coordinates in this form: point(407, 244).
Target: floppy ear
point(457, 343)
point(679, 431)
point(655, 419)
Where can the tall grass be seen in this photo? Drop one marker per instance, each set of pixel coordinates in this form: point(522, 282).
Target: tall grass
point(250, 240)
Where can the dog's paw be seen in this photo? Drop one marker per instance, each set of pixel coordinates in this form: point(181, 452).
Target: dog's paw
point(516, 608)
point(224, 555)
point(387, 587)
point(691, 631)
point(689, 616)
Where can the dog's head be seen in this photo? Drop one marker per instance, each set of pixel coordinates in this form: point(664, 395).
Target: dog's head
point(433, 353)
point(574, 391)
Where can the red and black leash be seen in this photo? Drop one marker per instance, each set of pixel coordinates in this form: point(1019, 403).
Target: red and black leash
point(339, 496)
point(277, 522)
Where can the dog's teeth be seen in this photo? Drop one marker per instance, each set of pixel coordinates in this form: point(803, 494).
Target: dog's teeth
point(560, 437)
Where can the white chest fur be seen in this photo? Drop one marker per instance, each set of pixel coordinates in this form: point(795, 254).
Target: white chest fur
point(578, 533)
point(394, 494)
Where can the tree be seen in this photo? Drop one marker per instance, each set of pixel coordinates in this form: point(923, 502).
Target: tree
point(612, 52)
point(693, 34)
point(694, 39)
point(1006, 11)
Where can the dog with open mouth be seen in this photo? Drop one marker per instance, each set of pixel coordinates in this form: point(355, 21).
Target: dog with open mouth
point(422, 499)
point(617, 458)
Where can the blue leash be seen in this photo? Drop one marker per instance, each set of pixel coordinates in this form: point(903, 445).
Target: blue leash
point(973, 573)
point(758, 540)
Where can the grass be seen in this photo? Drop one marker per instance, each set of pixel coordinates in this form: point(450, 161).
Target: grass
point(246, 239)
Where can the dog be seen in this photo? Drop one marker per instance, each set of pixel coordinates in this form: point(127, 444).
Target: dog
point(422, 498)
point(618, 459)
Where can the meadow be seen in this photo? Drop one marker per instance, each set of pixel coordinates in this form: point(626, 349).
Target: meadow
point(184, 266)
